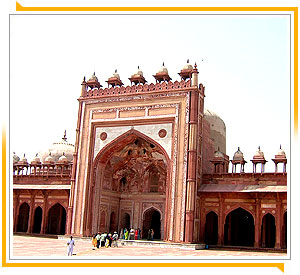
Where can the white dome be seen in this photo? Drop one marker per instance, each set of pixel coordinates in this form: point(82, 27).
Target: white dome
point(24, 159)
point(218, 154)
point(15, 158)
point(58, 149)
point(36, 159)
point(281, 152)
point(49, 159)
point(238, 155)
point(93, 78)
point(259, 153)
point(188, 66)
point(139, 72)
point(115, 75)
point(163, 69)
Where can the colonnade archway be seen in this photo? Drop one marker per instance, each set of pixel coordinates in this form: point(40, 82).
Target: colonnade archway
point(268, 231)
point(211, 228)
point(37, 222)
point(152, 220)
point(22, 225)
point(239, 228)
point(56, 220)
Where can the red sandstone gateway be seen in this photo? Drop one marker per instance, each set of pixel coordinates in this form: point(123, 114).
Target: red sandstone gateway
point(148, 156)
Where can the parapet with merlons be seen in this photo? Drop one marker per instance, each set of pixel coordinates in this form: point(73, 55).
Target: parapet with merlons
point(138, 89)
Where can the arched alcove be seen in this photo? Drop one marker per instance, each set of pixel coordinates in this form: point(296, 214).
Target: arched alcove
point(239, 228)
point(268, 231)
point(23, 218)
point(56, 220)
point(37, 221)
point(152, 220)
point(211, 228)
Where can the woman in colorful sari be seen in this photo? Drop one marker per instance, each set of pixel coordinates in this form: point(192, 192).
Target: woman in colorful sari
point(126, 234)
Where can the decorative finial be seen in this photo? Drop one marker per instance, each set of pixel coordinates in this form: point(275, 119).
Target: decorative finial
point(36, 154)
point(84, 79)
point(188, 61)
point(63, 153)
point(280, 146)
point(115, 70)
point(259, 148)
point(49, 153)
point(24, 155)
point(94, 73)
point(219, 148)
point(163, 64)
point(195, 66)
point(238, 148)
point(65, 136)
point(138, 67)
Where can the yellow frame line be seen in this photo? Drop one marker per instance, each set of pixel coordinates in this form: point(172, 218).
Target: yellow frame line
point(280, 266)
point(3, 195)
point(19, 7)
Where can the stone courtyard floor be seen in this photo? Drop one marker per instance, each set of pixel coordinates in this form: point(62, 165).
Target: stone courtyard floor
point(37, 246)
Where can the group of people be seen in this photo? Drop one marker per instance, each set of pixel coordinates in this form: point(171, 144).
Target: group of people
point(131, 234)
point(105, 239)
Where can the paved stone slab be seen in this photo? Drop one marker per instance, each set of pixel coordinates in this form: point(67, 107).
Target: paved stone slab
point(36, 246)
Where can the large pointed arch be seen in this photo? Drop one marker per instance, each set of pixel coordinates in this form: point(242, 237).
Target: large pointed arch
point(116, 144)
point(97, 172)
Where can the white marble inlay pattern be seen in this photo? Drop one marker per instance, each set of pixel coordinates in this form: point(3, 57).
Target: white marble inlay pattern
point(150, 130)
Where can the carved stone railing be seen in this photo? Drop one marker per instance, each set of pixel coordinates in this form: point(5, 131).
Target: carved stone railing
point(136, 89)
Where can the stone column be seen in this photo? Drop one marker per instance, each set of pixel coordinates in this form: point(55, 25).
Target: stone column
point(16, 214)
point(257, 223)
point(278, 224)
point(221, 222)
point(191, 167)
point(31, 215)
point(44, 216)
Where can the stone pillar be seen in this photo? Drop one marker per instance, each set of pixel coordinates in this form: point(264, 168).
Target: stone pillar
point(44, 216)
point(191, 167)
point(278, 225)
point(31, 215)
point(16, 213)
point(221, 222)
point(257, 223)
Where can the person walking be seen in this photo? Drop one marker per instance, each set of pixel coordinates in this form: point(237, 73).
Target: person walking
point(103, 239)
point(71, 245)
point(139, 233)
point(115, 239)
point(98, 237)
point(94, 240)
point(126, 234)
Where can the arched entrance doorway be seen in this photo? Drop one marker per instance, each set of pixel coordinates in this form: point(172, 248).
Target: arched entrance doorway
point(268, 231)
point(211, 228)
point(125, 221)
point(152, 221)
point(56, 220)
point(23, 217)
point(37, 222)
point(129, 172)
point(239, 228)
